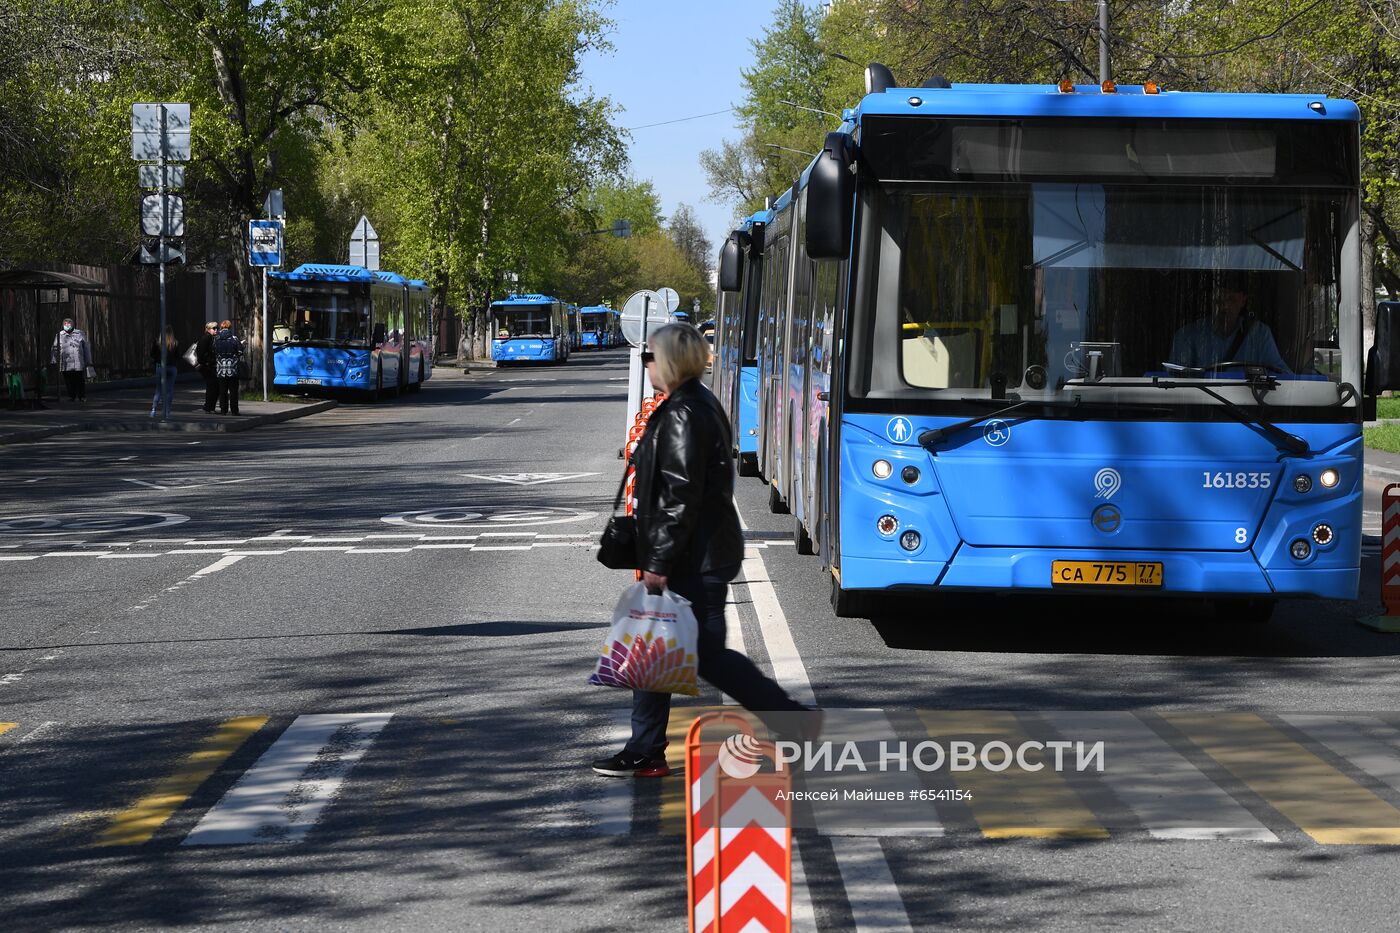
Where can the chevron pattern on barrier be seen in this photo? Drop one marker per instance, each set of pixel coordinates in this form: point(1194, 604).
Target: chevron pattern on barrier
point(1390, 549)
point(739, 841)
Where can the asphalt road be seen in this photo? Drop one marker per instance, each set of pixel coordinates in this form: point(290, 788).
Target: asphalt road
point(331, 675)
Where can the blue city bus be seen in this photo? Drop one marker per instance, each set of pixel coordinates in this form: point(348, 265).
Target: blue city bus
point(602, 327)
point(1069, 339)
point(736, 338)
point(346, 328)
point(529, 329)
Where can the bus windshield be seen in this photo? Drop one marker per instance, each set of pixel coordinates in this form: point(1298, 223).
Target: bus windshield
point(1048, 287)
point(595, 322)
point(325, 315)
point(522, 321)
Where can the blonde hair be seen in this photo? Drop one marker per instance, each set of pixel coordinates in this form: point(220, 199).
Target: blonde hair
point(680, 352)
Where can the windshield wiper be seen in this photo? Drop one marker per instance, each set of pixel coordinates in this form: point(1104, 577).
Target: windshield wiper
point(1258, 383)
point(928, 439)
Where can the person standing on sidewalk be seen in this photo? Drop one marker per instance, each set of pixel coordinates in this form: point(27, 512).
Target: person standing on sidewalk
point(228, 350)
point(204, 362)
point(73, 355)
point(688, 540)
point(165, 375)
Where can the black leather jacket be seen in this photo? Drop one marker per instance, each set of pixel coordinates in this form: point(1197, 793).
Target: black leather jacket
point(686, 520)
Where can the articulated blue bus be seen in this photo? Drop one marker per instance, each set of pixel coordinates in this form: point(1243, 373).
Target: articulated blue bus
point(602, 327)
point(347, 328)
point(530, 329)
point(575, 328)
point(1026, 338)
point(736, 340)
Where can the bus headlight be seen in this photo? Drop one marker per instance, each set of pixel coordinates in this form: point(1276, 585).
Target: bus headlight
point(1329, 478)
point(1302, 483)
point(886, 525)
point(1300, 549)
point(910, 540)
point(909, 474)
point(1322, 535)
point(881, 469)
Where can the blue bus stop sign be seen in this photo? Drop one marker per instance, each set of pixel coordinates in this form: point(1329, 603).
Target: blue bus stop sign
point(265, 243)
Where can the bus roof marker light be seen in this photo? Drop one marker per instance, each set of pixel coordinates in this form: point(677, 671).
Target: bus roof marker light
point(916, 101)
point(1066, 86)
point(1329, 477)
point(1108, 87)
point(1317, 106)
point(1151, 87)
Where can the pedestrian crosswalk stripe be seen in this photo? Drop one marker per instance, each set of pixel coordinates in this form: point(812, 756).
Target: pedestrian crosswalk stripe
point(7, 726)
point(136, 824)
point(1353, 739)
point(1167, 793)
point(280, 798)
point(1007, 804)
point(673, 791)
point(1316, 797)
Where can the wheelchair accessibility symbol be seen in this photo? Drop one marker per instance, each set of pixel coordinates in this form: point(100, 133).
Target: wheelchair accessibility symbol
point(899, 430)
point(996, 433)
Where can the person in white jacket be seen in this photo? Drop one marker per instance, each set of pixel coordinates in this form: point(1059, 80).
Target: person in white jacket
point(73, 355)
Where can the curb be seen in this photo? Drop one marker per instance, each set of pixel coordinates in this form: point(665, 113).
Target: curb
point(227, 427)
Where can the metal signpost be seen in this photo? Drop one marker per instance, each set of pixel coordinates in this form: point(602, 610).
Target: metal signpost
point(642, 313)
point(160, 133)
point(265, 249)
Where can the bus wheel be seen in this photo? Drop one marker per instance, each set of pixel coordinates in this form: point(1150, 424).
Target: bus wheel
point(801, 538)
point(1245, 611)
point(776, 505)
point(418, 386)
point(848, 604)
point(748, 464)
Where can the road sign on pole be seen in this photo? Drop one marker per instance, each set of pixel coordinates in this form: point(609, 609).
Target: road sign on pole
point(265, 243)
point(364, 245)
point(160, 133)
point(150, 176)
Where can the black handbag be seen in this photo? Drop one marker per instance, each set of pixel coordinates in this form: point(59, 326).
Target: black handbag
point(617, 549)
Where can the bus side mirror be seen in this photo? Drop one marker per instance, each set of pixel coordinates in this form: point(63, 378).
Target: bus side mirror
point(731, 264)
point(831, 188)
point(1383, 373)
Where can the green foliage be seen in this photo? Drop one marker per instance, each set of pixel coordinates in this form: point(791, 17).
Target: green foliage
point(1383, 437)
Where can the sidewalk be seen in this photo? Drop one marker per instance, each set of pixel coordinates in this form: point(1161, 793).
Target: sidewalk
point(128, 409)
point(1382, 464)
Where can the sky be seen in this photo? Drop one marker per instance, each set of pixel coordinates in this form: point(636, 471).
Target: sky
point(672, 60)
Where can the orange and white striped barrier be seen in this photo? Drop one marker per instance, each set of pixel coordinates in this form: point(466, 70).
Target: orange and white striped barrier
point(738, 832)
point(1389, 620)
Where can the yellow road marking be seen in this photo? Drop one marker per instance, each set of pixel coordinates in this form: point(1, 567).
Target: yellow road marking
point(1014, 803)
point(7, 726)
point(139, 822)
point(1322, 801)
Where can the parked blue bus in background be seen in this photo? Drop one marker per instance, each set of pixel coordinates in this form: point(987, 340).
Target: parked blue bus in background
point(347, 328)
point(529, 329)
point(736, 339)
point(602, 327)
point(1071, 339)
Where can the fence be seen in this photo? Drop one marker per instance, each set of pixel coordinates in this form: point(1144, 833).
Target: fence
point(117, 306)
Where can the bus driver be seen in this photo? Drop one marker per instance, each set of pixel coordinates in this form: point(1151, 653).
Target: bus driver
point(1229, 335)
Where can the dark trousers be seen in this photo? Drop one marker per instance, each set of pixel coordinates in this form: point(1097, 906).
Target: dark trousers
point(228, 394)
point(76, 382)
point(728, 670)
point(211, 388)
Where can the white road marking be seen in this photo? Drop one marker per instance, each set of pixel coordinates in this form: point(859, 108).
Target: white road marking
point(870, 889)
point(788, 668)
point(37, 479)
point(1170, 796)
point(733, 636)
point(281, 797)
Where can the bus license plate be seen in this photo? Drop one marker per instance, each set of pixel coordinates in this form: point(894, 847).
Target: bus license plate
point(308, 381)
point(1105, 573)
